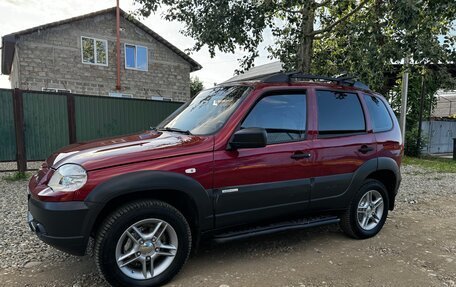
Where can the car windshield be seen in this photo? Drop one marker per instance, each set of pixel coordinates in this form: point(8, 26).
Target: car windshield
point(207, 112)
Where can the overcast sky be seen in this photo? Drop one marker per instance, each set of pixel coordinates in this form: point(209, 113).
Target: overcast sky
point(16, 15)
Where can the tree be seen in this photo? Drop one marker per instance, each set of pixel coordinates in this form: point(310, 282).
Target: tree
point(196, 86)
point(229, 24)
point(372, 32)
point(423, 82)
point(384, 34)
point(367, 38)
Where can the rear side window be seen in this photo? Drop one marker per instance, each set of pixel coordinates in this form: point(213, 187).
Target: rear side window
point(380, 117)
point(282, 116)
point(339, 113)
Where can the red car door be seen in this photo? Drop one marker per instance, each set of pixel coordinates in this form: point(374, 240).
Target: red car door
point(257, 183)
point(344, 142)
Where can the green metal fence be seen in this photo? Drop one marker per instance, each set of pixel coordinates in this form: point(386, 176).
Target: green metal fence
point(104, 117)
point(43, 122)
point(7, 135)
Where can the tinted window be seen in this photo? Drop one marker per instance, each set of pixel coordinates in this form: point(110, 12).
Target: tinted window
point(339, 113)
point(283, 117)
point(380, 117)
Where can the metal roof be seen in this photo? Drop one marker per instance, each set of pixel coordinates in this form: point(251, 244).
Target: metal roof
point(255, 72)
point(9, 41)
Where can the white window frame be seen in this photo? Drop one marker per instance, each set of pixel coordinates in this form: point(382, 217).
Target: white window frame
point(160, 98)
point(95, 51)
point(120, 95)
point(55, 90)
point(136, 57)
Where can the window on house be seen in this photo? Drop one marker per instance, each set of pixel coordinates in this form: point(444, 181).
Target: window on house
point(94, 51)
point(120, 95)
point(55, 90)
point(160, 98)
point(136, 57)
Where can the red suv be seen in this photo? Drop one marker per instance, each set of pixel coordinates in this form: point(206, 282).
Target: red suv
point(286, 151)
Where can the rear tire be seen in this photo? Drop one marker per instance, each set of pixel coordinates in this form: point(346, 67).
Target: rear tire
point(367, 212)
point(142, 243)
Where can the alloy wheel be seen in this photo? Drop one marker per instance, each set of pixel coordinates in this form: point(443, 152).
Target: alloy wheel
point(146, 249)
point(370, 210)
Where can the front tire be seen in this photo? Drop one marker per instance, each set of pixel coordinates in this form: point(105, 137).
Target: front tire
point(367, 212)
point(143, 243)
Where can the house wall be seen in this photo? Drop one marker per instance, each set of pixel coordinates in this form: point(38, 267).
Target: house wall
point(51, 58)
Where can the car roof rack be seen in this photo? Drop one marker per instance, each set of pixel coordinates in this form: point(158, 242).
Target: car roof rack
point(287, 77)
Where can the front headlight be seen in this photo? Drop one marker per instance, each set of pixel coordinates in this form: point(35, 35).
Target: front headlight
point(68, 178)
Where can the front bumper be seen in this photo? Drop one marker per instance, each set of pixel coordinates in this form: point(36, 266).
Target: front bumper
point(64, 225)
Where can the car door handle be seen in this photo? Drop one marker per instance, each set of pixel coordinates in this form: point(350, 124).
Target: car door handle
point(300, 155)
point(365, 149)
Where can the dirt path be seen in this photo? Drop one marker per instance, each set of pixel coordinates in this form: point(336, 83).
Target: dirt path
point(417, 247)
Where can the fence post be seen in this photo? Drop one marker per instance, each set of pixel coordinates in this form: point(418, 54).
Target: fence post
point(18, 111)
point(71, 119)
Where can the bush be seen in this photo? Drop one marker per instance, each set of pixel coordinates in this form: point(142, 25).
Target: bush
point(411, 143)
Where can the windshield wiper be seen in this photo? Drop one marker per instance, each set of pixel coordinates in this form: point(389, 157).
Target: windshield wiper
point(175, 130)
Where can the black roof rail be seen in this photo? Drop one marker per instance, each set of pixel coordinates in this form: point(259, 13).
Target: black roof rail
point(289, 76)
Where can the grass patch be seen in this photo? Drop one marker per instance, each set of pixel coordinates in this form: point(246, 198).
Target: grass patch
point(17, 176)
point(432, 163)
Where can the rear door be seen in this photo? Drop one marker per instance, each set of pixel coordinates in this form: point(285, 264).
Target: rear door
point(254, 184)
point(345, 141)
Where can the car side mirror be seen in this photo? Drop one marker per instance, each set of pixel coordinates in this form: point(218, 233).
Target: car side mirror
point(249, 138)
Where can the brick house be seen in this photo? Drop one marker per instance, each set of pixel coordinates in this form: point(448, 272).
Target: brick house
point(78, 55)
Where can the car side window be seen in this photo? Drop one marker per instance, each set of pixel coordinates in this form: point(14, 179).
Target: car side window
point(339, 113)
point(282, 116)
point(379, 115)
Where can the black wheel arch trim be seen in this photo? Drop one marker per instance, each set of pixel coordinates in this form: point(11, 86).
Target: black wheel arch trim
point(341, 201)
point(371, 166)
point(153, 181)
point(386, 163)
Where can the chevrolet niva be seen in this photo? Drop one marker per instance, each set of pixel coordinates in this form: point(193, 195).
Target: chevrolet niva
point(280, 152)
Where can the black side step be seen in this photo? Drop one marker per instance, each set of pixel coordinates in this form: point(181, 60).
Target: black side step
point(273, 228)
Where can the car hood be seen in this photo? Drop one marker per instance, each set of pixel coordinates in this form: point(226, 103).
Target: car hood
point(145, 146)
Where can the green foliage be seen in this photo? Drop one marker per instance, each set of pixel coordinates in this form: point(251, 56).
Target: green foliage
point(196, 86)
point(219, 25)
point(432, 163)
point(411, 143)
point(367, 45)
point(361, 37)
point(420, 78)
point(17, 176)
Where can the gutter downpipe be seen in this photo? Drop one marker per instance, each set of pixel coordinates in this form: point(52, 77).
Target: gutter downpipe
point(118, 87)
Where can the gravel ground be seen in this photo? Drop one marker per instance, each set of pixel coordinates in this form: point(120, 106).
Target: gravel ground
point(417, 247)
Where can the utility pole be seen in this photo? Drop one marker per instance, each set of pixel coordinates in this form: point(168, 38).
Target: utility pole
point(403, 116)
point(118, 87)
point(420, 123)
